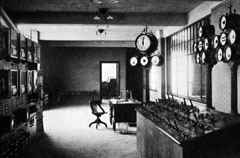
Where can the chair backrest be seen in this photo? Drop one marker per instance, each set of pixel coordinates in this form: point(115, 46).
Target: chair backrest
point(96, 107)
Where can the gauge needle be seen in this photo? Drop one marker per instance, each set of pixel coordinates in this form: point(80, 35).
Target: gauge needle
point(143, 41)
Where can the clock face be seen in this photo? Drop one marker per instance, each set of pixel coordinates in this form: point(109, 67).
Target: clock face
point(219, 55)
point(223, 39)
point(200, 31)
point(144, 61)
point(143, 42)
point(195, 47)
point(203, 58)
point(215, 42)
point(133, 61)
point(197, 58)
point(223, 22)
point(227, 54)
point(232, 36)
point(155, 60)
point(200, 45)
point(206, 44)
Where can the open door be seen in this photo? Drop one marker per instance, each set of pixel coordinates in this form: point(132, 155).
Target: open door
point(109, 80)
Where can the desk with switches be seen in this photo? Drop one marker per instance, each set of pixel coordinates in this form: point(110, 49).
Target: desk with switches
point(170, 129)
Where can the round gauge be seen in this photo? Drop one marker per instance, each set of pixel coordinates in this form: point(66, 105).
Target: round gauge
point(232, 36)
point(197, 58)
point(134, 61)
point(200, 45)
point(195, 47)
point(157, 60)
point(219, 54)
point(222, 22)
point(227, 54)
point(215, 41)
point(143, 42)
point(223, 38)
point(144, 61)
point(200, 31)
point(203, 58)
point(206, 44)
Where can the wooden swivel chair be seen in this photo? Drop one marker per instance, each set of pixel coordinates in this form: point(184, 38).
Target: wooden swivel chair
point(98, 111)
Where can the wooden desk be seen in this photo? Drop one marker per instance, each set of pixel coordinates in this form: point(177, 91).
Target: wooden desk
point(122, 111)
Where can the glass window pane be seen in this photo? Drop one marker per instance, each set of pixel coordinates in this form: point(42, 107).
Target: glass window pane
point(182, 75)
point(174, 75)
point(194, 78)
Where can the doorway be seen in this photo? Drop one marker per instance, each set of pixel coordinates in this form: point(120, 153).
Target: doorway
point(109, 79)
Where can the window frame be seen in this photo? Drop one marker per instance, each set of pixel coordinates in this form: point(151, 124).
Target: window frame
point(179, 44)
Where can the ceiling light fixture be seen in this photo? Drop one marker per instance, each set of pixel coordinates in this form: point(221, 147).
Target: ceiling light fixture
point(97, 1)
point(115, 1)
point(103, 14)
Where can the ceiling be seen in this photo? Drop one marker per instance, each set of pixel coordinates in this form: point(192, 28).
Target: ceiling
point(72, 20)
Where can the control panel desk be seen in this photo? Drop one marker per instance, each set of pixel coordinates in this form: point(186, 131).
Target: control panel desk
point(172, 138)
point(122, 110)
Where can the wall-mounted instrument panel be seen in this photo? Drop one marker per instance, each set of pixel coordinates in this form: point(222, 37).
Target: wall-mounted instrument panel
point(22, 48)
point(19, 94)
point(8, 83)
point(9, 43)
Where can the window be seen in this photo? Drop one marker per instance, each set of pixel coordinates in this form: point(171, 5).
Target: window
point(153, 78)
point(186, 78)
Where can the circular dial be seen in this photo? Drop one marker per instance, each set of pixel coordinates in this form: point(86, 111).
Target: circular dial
point(200, 31)
point(143, 42)
point(195, 47)
point(203, 58)
point(206, 44)
point(200, 45)
point(197, 58)
point(12, 123)
point(219, 54)
point(222, 22)
point(227, 55)
point(144, 61)
point(215, 41)
point(133, 61)
point(223, 39)
point(232, 36)
point(156, 60)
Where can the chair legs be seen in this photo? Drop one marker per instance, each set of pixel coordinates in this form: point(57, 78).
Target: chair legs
point(98, 121)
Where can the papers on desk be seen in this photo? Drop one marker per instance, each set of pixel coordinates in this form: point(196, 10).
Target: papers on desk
point(124, 101)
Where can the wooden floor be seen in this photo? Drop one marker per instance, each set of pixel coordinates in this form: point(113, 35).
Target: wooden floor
point(67, 134)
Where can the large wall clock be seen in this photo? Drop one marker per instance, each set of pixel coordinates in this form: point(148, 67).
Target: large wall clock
point(146, 43)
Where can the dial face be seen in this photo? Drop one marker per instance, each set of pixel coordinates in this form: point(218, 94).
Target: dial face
point(200, 46)
point(203, 57)
point(215, 42)
point(232, 36)
point(195, 47)
point(133, 61)
point(155, 60)
point(223, 22)
point(143, 42)
point(206, 44)
point(197, 58)
point(200, 31)
point(12, 124)
point(144, 61)
point(219, 54)
point(223, 39)
point(228, 54)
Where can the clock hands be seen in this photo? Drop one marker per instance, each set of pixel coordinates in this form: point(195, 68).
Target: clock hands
point(143, 41)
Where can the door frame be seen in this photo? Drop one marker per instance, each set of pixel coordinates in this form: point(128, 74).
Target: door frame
point(117, 75)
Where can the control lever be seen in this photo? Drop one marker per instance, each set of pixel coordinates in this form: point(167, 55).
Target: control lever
point(201, 126)
point(176, 125)
point(195, 116)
